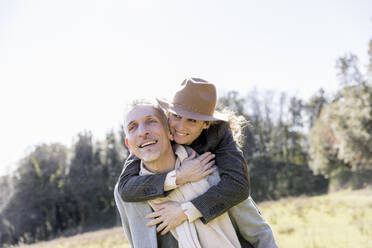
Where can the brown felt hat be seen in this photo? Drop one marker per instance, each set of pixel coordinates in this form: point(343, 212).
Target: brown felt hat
point(196, 99)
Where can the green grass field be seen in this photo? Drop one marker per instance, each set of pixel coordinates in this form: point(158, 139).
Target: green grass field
point(108, 238)
point(342, 219)
point(339, 220)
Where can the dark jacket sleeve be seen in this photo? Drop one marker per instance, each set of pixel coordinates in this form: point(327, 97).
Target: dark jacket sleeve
point(135, 188)
point(234, 185)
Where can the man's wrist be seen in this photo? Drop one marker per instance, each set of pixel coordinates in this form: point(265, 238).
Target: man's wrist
point(170, 181)
point(179, 178)
point(191, 211)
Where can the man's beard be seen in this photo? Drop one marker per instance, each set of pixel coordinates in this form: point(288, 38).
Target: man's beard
point(150, 156)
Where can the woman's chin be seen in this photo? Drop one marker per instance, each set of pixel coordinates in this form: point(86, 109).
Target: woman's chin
point(182, 141)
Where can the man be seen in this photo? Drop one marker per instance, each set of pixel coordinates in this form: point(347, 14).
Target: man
point(147, 134)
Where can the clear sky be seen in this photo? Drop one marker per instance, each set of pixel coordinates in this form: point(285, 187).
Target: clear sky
point(68, 66)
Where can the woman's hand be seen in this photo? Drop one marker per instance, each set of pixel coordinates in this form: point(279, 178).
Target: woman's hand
point(194, 169)
point(168, 214)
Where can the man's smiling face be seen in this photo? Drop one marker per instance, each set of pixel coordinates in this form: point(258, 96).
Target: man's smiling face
point(147, 135)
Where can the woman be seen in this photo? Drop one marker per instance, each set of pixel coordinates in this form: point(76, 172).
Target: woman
point(194, 122)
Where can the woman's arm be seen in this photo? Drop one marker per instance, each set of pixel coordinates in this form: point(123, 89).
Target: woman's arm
point(135, 188)
point(234, 185)
point(232, 189)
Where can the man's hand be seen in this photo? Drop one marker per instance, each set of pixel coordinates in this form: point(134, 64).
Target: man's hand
point(194, 169)
point(168, 214)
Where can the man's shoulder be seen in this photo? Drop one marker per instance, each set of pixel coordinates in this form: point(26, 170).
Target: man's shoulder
point(132, 160)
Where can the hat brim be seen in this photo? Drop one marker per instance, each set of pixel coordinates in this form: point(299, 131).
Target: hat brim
point(178, 110)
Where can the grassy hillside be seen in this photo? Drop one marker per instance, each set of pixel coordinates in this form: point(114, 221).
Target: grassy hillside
point(109, 238)
point(342, 219)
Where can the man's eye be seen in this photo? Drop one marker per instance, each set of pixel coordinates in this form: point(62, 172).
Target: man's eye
point(152, 120)
point(131, 127)
point(192, 120)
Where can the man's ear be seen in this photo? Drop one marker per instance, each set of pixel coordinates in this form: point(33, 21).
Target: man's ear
point(127, 145)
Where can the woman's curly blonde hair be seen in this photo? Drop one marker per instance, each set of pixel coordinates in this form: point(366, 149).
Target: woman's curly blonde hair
point(237, 124)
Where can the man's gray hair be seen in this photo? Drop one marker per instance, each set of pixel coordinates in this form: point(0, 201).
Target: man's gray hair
point(145, 102)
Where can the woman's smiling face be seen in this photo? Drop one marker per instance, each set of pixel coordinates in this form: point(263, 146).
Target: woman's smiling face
point(185, 130)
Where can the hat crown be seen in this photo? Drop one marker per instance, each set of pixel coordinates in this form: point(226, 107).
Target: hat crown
point(196, 95)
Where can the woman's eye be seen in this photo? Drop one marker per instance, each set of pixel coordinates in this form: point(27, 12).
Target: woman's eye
point(177, 116)
point(192, 120)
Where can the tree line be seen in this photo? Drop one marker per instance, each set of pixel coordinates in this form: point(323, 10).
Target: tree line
point(292, 146)
point(59, 190)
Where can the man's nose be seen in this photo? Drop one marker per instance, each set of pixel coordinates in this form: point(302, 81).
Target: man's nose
point(142, 130)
